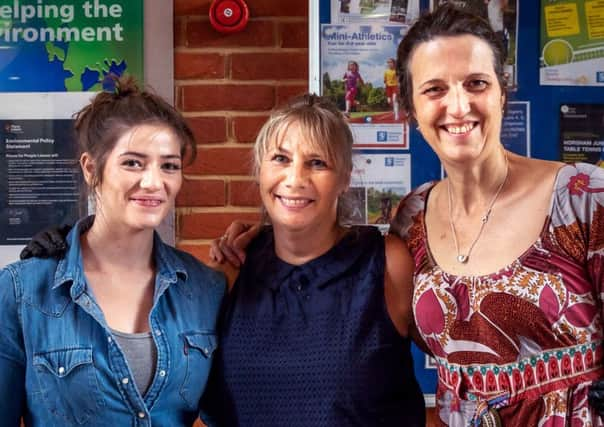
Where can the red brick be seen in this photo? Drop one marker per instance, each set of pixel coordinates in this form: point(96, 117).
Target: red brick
point(228, 97)
point(177, 97)
point(208, 130)
point(198, 65)
point(246, 127)
point(293, 34)
point(258, 66)
point(286, 92)
point(179, 32)
point(278, 8)
point(202, 253)
point(222, 161)
point(200, 33)
point(191, 7)
point(199, 192)
point(244, 193)
point(210, 225)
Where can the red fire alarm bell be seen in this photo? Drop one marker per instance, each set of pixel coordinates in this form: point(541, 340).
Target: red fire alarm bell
point(229, 16)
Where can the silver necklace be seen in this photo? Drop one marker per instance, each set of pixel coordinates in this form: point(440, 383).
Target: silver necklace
point(463, 258)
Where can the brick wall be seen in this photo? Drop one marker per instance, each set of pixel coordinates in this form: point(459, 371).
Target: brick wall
point(226, 86)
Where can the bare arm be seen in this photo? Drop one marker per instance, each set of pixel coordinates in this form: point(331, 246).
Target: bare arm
point(398, 284)
point(398, 288)
point(227, 253)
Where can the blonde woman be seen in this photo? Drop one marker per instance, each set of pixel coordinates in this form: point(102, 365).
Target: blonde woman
point(316, 326)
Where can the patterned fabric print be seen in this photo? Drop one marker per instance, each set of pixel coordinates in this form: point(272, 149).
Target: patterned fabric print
point(526, 340)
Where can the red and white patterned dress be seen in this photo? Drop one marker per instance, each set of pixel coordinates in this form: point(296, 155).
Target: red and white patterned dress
point(525, 341)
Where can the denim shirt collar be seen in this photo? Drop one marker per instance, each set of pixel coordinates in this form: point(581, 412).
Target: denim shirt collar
point(70, 268)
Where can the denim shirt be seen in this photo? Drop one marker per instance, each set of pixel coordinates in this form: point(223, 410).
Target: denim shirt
point(60, 366)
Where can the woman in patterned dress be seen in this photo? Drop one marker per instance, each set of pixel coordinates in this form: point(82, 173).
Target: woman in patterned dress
point(509, 251)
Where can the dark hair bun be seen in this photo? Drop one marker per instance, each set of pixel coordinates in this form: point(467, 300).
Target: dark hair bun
point(120, 86)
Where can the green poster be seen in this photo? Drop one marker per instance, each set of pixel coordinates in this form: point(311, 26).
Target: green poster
point(68, 45)
point(572, 42)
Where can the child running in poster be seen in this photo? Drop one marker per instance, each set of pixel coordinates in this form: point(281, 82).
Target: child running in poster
point(391, 86)
point(352, 78)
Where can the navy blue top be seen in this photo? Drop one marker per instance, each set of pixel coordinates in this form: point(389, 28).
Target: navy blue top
point(313, 345)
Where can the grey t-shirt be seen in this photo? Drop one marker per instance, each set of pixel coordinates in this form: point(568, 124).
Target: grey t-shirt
point(141, 355)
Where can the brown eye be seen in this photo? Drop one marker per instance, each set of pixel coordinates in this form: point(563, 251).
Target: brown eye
point(433, 90)
point(132, 163)
point(477, 85)
point(171, 166)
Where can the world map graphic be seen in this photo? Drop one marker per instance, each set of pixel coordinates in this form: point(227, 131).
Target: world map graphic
point(58, 66)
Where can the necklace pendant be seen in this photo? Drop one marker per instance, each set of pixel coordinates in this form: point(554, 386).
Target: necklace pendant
point(462, 259)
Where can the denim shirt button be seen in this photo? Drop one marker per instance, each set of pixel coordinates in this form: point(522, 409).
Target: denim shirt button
point(141, 414)
point(157, 332)
point(108, 339)
point(61, 370)
point(125, 380)
point(162, 373)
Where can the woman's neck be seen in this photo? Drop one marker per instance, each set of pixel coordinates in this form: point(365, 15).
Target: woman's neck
point(472, 186)
point(301, 246)
point(109, 247)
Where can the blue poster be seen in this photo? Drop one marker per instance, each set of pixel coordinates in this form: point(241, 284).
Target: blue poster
point(515, 130)
point(425, 372)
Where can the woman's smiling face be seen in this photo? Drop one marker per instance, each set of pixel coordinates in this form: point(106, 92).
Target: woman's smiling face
point(300, 185)
point(458, 102)
point(141, 177)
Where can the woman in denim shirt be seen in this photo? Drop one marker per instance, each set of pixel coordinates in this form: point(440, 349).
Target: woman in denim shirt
point(119, 331)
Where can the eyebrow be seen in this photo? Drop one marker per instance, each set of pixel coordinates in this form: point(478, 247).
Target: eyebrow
point(469, 76)
point(481, 75)
point(285, 151)
point(145, 156)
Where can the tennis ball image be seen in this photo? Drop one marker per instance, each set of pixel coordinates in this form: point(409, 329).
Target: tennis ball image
point(556, 52)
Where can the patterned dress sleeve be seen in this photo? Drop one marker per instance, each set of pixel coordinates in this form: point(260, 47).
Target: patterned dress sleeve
point(578, 218)
point(410, 211)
